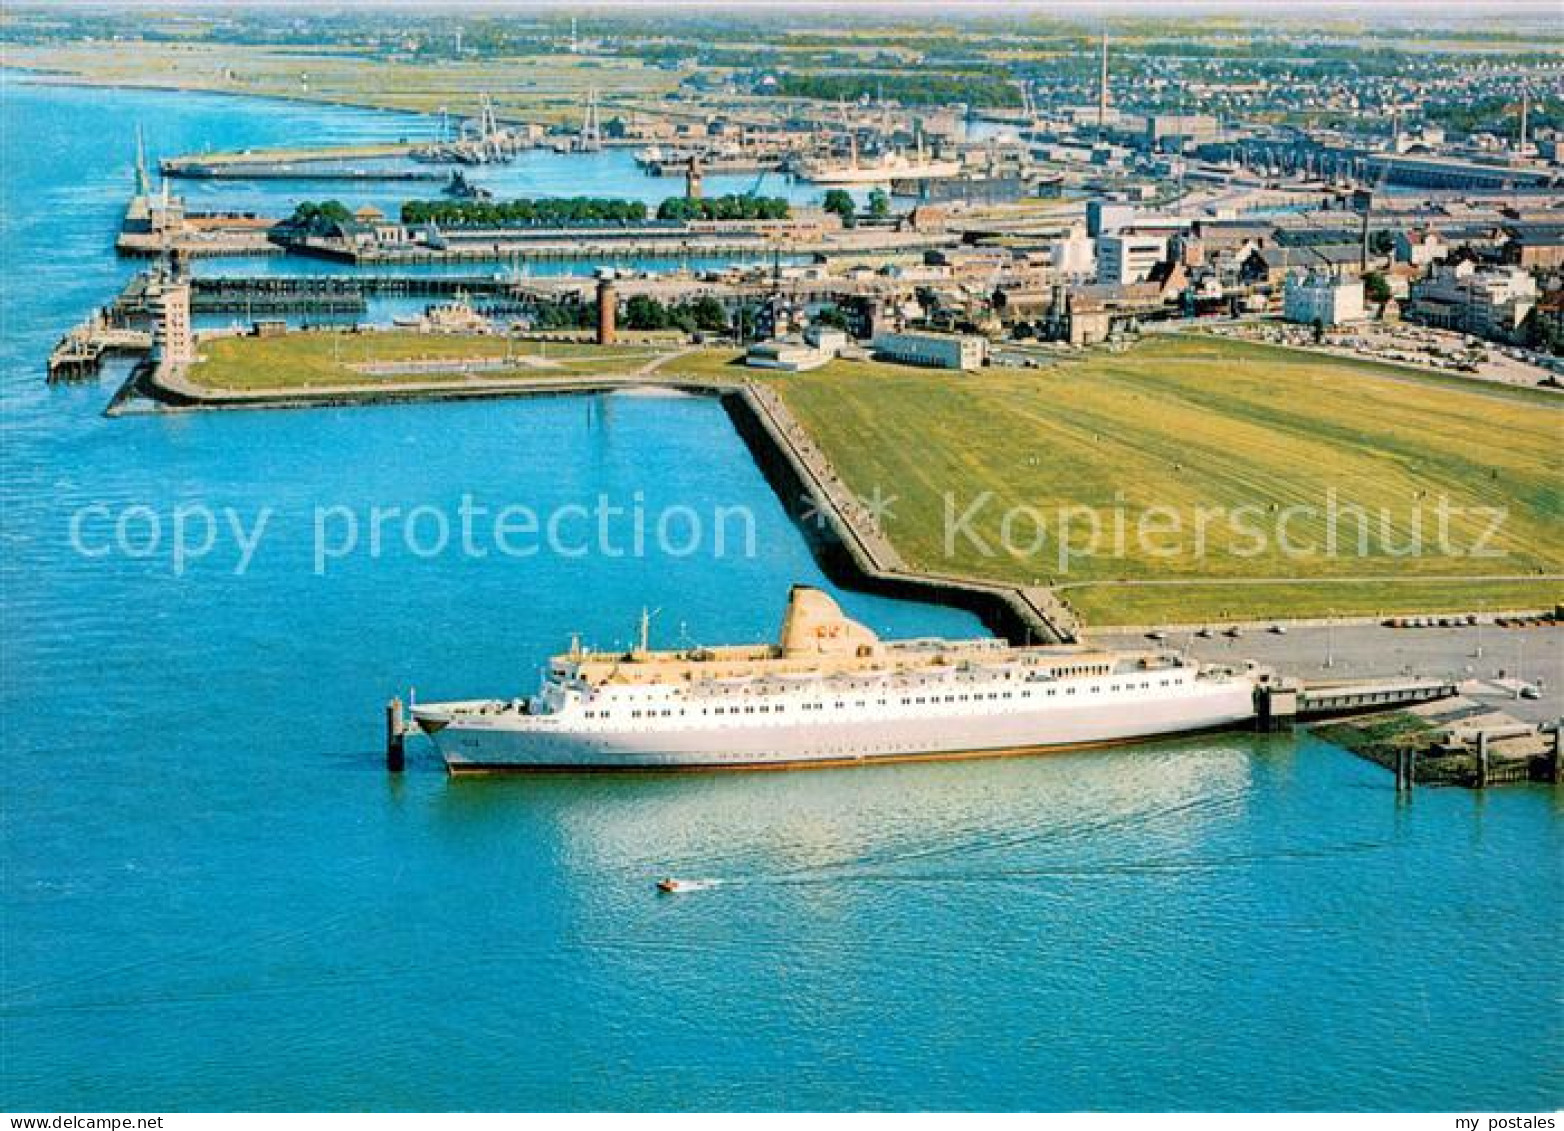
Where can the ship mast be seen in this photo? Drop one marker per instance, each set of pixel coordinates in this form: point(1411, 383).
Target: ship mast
point(646, 629)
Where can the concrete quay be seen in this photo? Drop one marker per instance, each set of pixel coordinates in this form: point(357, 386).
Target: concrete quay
point(163, 388)
point(194, 243)
point(1491, 664)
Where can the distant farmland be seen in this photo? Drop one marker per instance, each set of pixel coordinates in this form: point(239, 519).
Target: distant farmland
point(1224, 479)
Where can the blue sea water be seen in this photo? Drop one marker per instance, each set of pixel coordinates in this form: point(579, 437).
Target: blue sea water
point(214, 897)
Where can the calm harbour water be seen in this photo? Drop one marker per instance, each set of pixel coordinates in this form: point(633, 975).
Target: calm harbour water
point(214, 897)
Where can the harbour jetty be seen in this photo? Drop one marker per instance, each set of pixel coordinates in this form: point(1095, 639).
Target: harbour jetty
point(81, 353)
point(1455, 741)
point(167, 388)
point(330, 293)
point(121, 328)
point(646, 241)
point(248, 164)
point(290, 172)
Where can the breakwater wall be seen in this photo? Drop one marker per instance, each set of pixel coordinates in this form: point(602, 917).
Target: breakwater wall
point(846, 540)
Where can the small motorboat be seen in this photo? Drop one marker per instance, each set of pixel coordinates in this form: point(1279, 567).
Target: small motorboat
point(1278, 630)
point(1204, 634)
point(1233, 633)
point(671, 886)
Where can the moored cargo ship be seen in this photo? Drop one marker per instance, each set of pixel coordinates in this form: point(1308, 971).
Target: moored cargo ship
point(881, 170)
point(831, 693)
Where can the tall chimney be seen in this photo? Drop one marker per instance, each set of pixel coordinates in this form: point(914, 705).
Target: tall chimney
point(607, 309)
point(1363, 252)
point(1102, 90)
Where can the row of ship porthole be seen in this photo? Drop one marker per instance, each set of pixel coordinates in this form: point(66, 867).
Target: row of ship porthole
point(842, 704)
point(1058, 673)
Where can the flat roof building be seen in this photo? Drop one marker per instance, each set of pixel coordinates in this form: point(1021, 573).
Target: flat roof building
point(1186, 129)
point(937, 351)
point(798, 353)
point(1129, 258)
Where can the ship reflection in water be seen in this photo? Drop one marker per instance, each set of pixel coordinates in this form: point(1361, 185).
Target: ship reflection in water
point(1139, 808)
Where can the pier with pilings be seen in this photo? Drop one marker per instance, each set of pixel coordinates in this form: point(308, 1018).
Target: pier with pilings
point(243, 163)
point(80, 354)
point(266, 294)
point(1455, 740)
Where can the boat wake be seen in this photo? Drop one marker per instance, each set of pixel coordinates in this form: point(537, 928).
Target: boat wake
point(672, 886)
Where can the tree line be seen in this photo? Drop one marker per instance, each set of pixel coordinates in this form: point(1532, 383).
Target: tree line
point(547, 211)
point(734, 206)
point(910, 88)
point(641, 312)
point(842, 203)
point(524, 211)
point(319, 217)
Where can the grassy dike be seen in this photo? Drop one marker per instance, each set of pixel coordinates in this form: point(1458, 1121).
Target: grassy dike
point(1150, 438)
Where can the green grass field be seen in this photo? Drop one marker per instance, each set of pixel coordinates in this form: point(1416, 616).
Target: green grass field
point(1221, 463)
point(324, 359)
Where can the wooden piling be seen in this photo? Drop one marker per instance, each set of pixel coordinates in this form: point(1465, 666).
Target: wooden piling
point(1482, 759)
point(1406, 768)
point(396, 738)
point(1557, 759)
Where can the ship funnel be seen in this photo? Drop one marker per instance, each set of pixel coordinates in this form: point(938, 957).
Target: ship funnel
point(814, 625)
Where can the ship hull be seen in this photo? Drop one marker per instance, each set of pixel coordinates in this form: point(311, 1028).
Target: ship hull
point(483, 746)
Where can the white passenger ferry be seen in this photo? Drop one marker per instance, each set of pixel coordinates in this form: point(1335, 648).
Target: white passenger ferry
point(831, 693)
